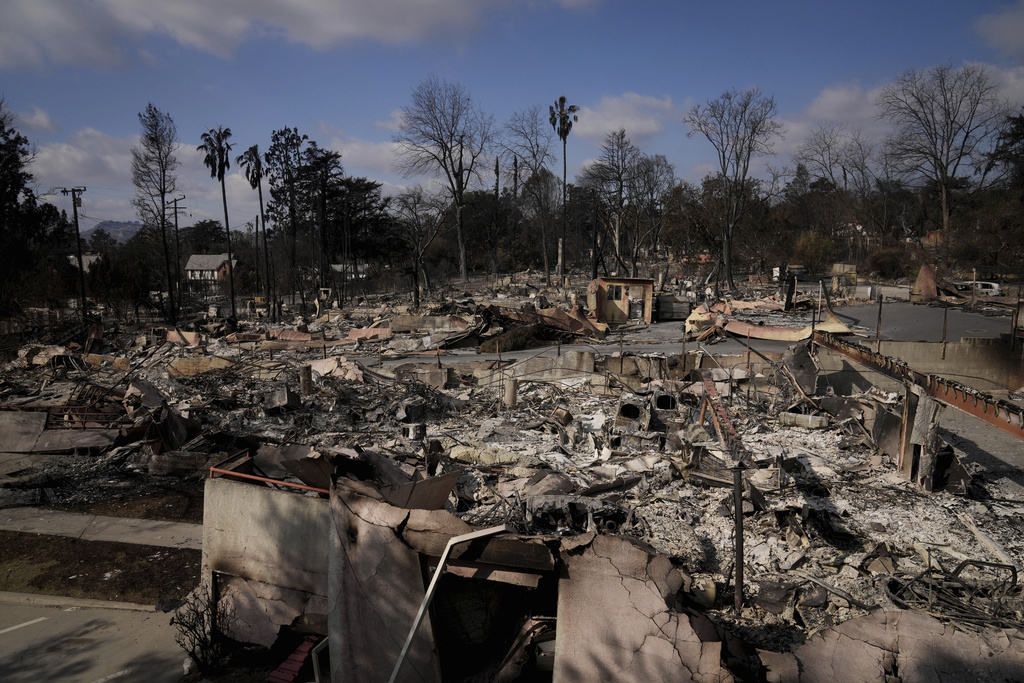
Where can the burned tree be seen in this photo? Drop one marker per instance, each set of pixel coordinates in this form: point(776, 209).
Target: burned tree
point(421, 219)
point(946, 123)
point(444, 133)
point(153, 166)
point(218, 160)
point(284, 161)
point(529, 142)
point(561, 116)
point(740, 125)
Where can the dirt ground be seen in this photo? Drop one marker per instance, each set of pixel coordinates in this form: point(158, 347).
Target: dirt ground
point(175, 501)
point(54, 565)
point(123, 572)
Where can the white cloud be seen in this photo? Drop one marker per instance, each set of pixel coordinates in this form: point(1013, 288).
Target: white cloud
point(696, 173)
point(39, 32)
point(102, 163)
point(37, 120)
point(1011, 84)
point(1004, 29)
point(393, 123)
point(360, 157)
point(848, 104)
point(641, 115)
point(97, 208)
point(104, 33)
point(89, 156)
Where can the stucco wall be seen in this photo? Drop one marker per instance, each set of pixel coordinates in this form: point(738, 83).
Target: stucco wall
point(276, 537)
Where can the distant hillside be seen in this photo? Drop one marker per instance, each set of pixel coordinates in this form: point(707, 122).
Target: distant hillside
point(122, 231)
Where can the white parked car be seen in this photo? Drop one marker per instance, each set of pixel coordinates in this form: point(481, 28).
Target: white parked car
point(988, 289)
point(980, 288)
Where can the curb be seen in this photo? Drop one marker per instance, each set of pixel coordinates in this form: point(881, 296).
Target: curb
point(64, 601)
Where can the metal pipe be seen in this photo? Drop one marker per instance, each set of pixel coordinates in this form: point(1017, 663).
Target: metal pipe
point(820, 288)
point(748, 352)
point(511, 390)
point(620, 353)
point(314, 655)
point(878, 328)
point(945, 319)
point(974, 288)
point(1016, 315)
point(266, 480)
point(737, 501)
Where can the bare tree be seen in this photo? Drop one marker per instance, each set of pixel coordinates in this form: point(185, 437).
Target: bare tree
point(824, 152)
point(200, 624)
point(946, 123)
point(444, 133)
point(653, 179)
point(612, 176)
point(741, 126)
point(153, 166)
point(860, 172)
point(218, 159)
point(561, 118)
point(421, 220)
point(529, 141)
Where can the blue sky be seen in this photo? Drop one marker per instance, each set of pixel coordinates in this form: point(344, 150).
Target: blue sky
point(77, 72)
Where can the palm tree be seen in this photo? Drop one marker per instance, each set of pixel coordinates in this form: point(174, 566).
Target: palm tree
point(217, 148)
point(251, 162)
point(561, 119)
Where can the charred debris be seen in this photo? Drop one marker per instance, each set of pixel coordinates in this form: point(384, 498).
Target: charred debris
point(501, 488)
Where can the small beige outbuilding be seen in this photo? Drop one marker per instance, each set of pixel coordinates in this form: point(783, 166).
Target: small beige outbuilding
point(620, 299)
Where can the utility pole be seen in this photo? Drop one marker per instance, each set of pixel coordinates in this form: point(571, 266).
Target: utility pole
point(76, 200)
point(177, 249)
point(256, 244)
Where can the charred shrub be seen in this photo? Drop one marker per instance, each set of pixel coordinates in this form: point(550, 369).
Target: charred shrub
point(890, 263)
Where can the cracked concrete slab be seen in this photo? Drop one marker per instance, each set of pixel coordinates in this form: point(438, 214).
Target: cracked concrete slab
point(906, 646)
point(616, 622)
point(256, 611)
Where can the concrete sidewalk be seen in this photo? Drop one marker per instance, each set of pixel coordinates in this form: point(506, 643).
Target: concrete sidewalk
point(39, 600)
point(99, 528)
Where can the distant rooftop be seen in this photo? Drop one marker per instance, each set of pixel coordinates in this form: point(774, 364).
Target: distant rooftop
point(206, 261)
point(87, 260)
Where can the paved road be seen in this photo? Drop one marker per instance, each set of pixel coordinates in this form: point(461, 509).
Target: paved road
point(916, 322)
point(54, 638)
point(901, 321)
point(87, 644)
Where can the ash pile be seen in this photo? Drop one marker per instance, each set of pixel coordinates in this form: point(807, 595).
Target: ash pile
point(647, 515)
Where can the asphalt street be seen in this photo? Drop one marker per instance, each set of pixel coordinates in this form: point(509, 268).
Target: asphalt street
point(901, 320)
point(90, 645)
point(53, 638)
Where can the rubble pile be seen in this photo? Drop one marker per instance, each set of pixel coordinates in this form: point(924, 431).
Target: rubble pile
point(598, 472)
